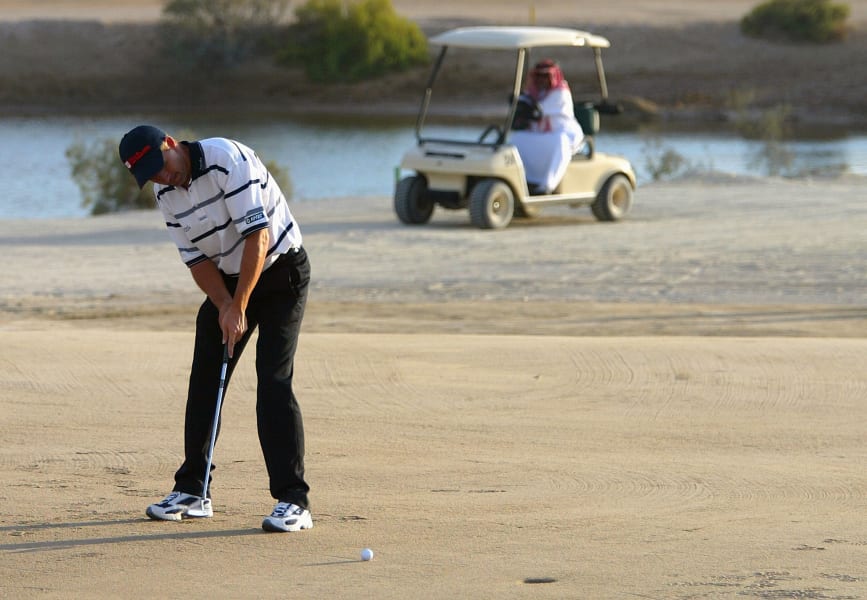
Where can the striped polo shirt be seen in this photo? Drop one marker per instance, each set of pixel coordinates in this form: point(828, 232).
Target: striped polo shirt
point(230, 196)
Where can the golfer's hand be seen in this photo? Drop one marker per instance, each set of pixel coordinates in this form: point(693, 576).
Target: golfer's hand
point(233, 323)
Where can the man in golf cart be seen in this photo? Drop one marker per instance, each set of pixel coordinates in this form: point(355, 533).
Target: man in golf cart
point(546, 132)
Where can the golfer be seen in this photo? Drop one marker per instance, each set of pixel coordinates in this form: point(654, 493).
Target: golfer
point(234, 231)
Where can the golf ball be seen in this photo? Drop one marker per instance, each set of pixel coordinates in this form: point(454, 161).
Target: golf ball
point(366, 554)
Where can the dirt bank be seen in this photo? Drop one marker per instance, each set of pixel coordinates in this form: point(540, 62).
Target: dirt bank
point(681, 62)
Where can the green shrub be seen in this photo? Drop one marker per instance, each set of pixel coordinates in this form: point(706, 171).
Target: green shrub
point(336, 41)
point(106, 185)
point(219, 32)
point(817, 21)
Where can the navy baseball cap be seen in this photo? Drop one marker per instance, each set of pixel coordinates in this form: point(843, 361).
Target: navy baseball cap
point(140, 152)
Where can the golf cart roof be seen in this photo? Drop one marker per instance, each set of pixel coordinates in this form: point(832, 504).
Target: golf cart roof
point(499, 38)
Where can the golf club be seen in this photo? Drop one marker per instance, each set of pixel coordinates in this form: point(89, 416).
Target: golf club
point(206, 502)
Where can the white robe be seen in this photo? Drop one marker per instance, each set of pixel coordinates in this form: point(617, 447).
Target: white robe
point(547, 148)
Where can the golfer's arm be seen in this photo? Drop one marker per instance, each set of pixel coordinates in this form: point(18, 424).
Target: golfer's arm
point(252, 261)
point(208, 277)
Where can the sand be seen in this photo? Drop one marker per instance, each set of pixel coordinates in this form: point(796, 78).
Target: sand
point(667, 407)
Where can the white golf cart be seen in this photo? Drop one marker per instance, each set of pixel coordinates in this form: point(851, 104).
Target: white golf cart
point(485, 174)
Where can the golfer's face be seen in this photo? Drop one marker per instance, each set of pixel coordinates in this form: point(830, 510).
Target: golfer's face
point(175, 171)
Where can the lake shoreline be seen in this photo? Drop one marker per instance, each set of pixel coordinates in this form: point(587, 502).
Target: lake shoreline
point(677, 120)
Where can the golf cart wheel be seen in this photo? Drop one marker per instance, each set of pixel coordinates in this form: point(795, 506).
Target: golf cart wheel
point(492, 204)
point(614, 199)
point(411, 201)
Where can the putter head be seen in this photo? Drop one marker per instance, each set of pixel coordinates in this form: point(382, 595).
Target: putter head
point(202, 508)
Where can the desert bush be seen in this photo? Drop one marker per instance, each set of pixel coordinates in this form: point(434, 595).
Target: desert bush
point(106, 185)
point(338, 41)
point(104, 182)
point(817, 21)
point(282, 177)
point(219, 33)
point(772, 128)
point(662, 162)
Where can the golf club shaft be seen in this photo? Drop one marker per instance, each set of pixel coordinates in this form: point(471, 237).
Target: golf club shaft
point(216, 422)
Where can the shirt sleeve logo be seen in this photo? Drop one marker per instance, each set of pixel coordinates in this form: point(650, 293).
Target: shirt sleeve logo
point(254, 218)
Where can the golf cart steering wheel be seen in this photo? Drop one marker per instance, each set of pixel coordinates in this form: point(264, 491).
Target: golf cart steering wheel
point(489, 130)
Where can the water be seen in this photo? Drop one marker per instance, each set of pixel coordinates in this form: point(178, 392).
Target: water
point(328, 159)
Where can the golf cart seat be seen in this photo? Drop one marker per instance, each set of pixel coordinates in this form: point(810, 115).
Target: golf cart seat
point(588, 117)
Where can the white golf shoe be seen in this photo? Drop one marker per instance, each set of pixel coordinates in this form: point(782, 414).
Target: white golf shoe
point(179, 505)
point(288, 517)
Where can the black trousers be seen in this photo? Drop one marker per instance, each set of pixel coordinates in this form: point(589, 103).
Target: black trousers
point(276, 307)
